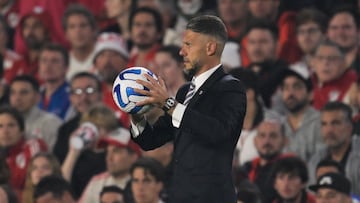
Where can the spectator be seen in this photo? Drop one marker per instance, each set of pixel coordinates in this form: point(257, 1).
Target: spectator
point(270, 141)
point(10, 57)
point(261, 46)
point(290, 178)
point(147, 180)
point(253, 117)
point(310, 31)
point(81, 163)
point(336, 131)
point(7, 194)
point(331, 80)
point(111, 57)
point(53, 189)
point(112, 194)
point(288, 49)
point(35, 28)
point(247, 192)
point(343, 29)
point(146, 30)
point(185, 10)
point(119, 10)
point(332, 187)
point(121, 154)
point(170, 65)
point(330, 166)
point(41, 165)
point(53, 63)
point(235, 16)
point(85, 91)
point(11, 12)
point(302, 126)
point(80, 30)
point(24, 97)
point(12, 140)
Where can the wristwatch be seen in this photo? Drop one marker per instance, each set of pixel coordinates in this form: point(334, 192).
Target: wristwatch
point(169, 103)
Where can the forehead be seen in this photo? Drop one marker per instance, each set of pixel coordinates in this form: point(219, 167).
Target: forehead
point(144, 17)
point(342, 18)
point(328, 49)
point(292, 79)
point(142, 173)
point(20, 85)
point(256, 33)
point(31, 20)
point(83, 81)
point(268, 126)
point(50, 54)
point(332, 115)
point(309, 24)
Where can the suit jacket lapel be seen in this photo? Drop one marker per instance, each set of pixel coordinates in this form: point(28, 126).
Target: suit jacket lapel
point(218, 74)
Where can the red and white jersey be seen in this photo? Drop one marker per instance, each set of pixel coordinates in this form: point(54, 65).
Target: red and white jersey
point(18, 158)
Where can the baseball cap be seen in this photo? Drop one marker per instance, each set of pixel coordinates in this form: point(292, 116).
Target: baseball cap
point(111, 41)
point(334, 181)
point(300, 72)
point(121, 138)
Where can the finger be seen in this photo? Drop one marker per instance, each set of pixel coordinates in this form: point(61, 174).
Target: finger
point(144, 83)
point(143, 92)
point(150, 78)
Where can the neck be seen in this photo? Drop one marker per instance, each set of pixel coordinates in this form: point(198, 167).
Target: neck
point(296, 118)
point(120, 176)
point(351, 56)
point(123, 21)
point(51, 87)
point(338, 153)
point(82, 53)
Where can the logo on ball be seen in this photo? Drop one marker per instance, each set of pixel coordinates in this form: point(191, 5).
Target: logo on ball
point(124, 94)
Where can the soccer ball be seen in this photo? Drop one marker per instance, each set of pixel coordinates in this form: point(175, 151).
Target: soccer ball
point(123, 90)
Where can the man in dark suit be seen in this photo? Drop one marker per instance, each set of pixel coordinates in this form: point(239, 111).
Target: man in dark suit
point(205, 128)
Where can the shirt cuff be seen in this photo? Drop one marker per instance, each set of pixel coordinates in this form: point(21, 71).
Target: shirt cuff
point(138, 128)
point(178, 114)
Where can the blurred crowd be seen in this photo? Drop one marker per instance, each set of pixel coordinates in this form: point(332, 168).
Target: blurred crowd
point(63, 137)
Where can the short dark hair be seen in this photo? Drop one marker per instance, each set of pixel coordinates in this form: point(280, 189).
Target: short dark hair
point(156, 15)
point(151, 166)
point(15, 114)
point(173, 50)
point(112, 188)
point(28, 79)
point(330, 163)
point(263, 25)
point(347, 8)
point(208, 25)
point(57, 48)
point(312, 15)
point(338, 106)
point(291, 165)
point(330, 43)
point(78, 9)
point(84, 74)
point(53, 184)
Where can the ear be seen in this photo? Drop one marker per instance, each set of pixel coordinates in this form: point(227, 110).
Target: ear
point(211, 47)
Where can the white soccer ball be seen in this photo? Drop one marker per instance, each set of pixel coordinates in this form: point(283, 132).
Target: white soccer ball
point(123, 90)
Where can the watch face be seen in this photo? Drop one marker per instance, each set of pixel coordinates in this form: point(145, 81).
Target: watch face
point(170, 102)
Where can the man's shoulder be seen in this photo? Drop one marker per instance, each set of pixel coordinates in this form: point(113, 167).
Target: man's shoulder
point(100, 177)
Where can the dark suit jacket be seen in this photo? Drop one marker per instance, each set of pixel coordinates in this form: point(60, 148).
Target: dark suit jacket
point(204, 142)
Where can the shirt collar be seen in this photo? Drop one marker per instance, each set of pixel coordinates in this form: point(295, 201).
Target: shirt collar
point(200, 79)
